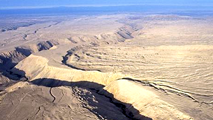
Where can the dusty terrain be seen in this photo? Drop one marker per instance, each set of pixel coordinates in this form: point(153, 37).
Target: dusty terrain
point(110, 67)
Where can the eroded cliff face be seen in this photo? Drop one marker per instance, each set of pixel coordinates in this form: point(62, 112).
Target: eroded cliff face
point(132, 70)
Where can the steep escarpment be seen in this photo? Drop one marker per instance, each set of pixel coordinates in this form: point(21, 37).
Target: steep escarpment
point(41, 70)
point(145, 101)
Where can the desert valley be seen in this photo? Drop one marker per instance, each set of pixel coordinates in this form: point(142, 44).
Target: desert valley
point(107, 67)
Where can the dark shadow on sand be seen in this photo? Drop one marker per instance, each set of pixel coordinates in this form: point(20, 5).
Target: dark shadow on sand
point(127, 109)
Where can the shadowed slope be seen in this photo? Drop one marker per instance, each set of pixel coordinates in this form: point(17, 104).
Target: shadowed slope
point(95, 88)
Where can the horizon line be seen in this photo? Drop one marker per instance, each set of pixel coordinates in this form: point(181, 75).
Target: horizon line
point(75, 6)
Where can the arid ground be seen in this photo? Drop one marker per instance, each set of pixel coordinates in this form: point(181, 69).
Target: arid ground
point(107, 67)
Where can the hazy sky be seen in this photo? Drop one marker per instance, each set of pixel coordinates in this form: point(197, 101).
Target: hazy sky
point(43, 3)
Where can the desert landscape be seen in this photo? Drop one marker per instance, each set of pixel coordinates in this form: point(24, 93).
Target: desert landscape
point(107, 67)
